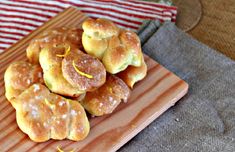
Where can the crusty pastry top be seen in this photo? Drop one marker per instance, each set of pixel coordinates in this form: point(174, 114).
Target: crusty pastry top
point(87, 79)
point(71, 74)
point(44, 115)
point(100, 28)
point(51, 38)
point(122, 51)
point(19, 76)
point(106, 98)
point(117, 48)
point(83, 71)
point(133, 74)
point(51, 64)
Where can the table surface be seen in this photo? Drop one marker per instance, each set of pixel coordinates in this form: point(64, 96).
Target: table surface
point(149, 98)
point(216, 27)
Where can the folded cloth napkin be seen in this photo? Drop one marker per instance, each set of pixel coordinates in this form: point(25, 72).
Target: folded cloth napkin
point(19, 18)
point(204, 120)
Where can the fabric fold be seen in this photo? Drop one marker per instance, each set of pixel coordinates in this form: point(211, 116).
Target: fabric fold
point(204, 120)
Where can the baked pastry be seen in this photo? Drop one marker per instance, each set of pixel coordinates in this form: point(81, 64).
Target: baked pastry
point(117, 48)
point(133, 74)
point(83, 71)
point(50, 59)
point(20, 76)
point(106, 98)
point(123, 51)
point(43, 115)
point(70, 72)
point(96, 34)
point(53, 37)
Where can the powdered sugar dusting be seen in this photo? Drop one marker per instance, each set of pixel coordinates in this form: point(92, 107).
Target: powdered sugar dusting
point(28, 81)
point(61, 103)
point(129, 35)
point(73, 112)
point(64, 116)
point(101, 104)
point(36, 88)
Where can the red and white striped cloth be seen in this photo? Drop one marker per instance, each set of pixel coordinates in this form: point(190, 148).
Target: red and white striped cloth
point(19, 17)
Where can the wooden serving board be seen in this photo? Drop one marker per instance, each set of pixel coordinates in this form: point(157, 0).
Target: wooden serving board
point(149, 99)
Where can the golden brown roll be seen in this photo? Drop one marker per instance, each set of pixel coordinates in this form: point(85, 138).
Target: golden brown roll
point(51, 38)
point(43, 115)
point(94, 39)
point(122, 51)
point(132, 74)
point(115, 47)
point(70, 72)
point(51, 63)
point(100, 28)
point(106, 98)
point(83, 71)
point(20, 76)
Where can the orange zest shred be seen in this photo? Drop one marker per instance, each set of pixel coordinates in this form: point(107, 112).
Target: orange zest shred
point(80, 72)
point(50, 104)
point(67, 50)
point(110, 90)
point(60, 150)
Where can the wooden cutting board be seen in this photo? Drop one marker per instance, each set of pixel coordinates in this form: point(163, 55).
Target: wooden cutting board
point(149, 99)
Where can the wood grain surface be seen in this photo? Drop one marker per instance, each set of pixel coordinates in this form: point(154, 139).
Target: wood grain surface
point(149, 99)
point(216, 27)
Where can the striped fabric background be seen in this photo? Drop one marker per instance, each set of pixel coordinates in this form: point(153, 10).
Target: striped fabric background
point(20, 17)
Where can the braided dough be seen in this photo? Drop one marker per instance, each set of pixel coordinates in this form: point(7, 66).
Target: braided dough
point(44, 115)
point(68, 71)
point(106, 98)
point(117, 48)
point(133, 74)
point(60, 73)
point(89, 65)
point(52, 72)
point(53, 37)
point(20, 76)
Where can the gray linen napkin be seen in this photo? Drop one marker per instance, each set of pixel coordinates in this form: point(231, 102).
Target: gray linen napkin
point(204, 120)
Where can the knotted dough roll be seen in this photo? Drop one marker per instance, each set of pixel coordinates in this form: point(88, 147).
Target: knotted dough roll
point(70, 72)
point(106, 98)
point(20, 76)
point(51, 63)
point(117, 48)
point(96, 34)
point(83, 71)
point(43, 115)
point(53, 37)
point(133, 74)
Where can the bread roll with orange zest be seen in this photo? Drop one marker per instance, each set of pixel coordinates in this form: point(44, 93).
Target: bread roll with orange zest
point(51, 62)
point(132, 74)
point(43, 115)
point(20, 76)
point(106, 98)
point(117, 48)
point(83, 71)
point(53, 37)
point(70, 72)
